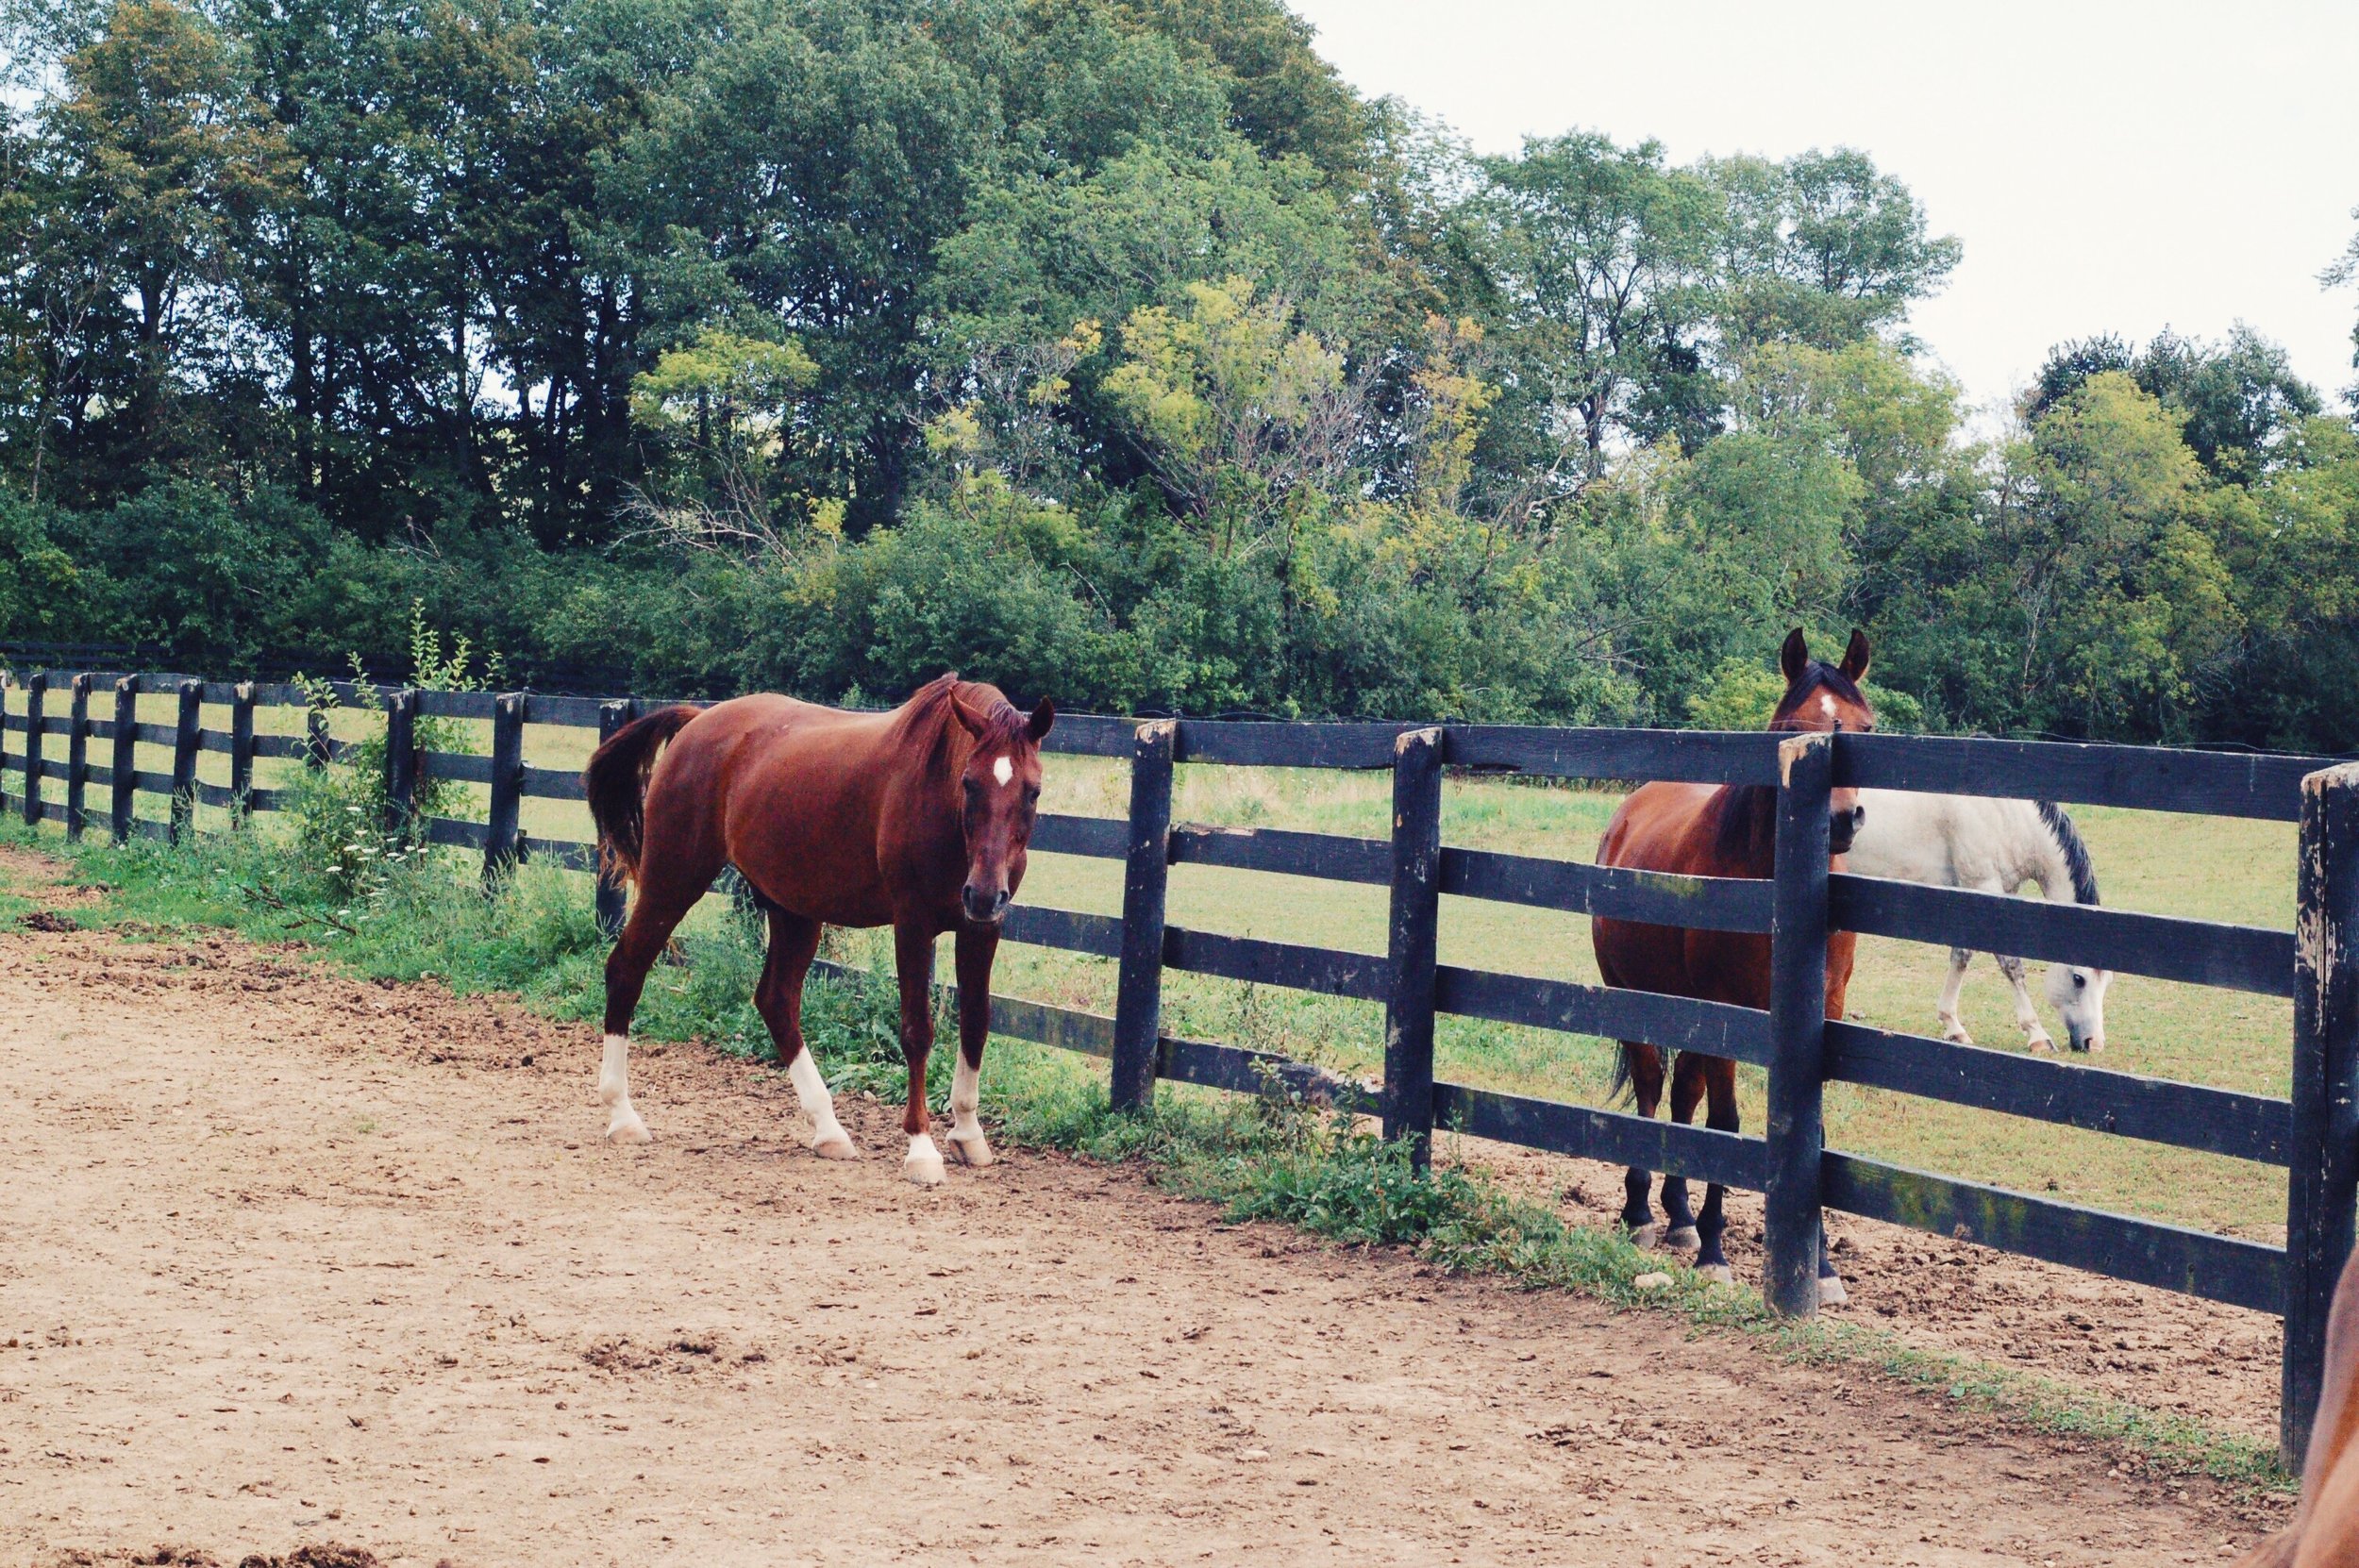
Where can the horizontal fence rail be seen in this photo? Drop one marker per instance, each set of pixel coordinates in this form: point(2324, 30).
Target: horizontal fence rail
point(49, 750)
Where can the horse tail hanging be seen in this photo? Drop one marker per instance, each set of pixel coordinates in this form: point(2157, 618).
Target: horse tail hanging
point(1620, 1087)
point(615, 784)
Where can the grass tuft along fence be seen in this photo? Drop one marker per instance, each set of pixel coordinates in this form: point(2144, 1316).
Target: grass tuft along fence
point(2313, 1136)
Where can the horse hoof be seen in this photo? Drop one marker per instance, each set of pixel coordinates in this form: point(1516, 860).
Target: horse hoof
point(1681, 1237)
point(970, 1151)
point(1831, 1291)
point(926, 1171)
point(1955, 1034)
point(1719, 1274)
point(838, 1147)
point(2040, 1042)
point(628, 1130)
point(1644, 1236)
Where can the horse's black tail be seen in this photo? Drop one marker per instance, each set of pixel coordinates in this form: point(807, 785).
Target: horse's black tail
point(615, 784)
point(1619, 1087)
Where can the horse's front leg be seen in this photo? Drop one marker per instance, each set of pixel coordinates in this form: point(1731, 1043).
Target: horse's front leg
point(976, 948)
point(913, 954)
point(2026, 1015)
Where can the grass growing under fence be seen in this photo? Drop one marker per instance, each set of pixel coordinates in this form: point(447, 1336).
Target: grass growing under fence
point(426, 916)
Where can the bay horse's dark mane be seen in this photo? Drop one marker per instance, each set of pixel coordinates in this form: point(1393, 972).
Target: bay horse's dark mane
point(1745, 816)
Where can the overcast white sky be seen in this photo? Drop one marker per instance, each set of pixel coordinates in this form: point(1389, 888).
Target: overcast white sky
point(2110, 167)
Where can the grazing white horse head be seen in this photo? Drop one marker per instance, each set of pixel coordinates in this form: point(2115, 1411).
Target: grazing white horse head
point(2078, 995)
point(1990, 845)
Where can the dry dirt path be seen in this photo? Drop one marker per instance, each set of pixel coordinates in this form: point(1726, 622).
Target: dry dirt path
point(292, 1259)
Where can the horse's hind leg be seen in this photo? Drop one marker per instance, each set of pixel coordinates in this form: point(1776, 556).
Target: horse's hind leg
point(1720, 1077)
point(1641, 1064)
point(780, 1000)
point(1945, 1010)
point(654, 913)
point(1687, 1089)
point(1831, 1291)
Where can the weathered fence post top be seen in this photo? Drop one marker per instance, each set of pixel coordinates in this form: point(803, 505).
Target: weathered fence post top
point(1793, 749)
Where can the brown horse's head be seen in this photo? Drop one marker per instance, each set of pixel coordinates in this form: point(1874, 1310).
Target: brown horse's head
point(998, 797)
point(1827, 697)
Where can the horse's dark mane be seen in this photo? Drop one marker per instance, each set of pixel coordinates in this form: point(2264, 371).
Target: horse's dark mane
point(2076, 854)
point(1744, 825)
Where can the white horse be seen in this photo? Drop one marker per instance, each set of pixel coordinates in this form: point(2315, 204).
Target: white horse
point(1990, 845)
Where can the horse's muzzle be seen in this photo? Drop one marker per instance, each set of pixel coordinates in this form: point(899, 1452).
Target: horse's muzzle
point(1843, 827)
point(984, 907)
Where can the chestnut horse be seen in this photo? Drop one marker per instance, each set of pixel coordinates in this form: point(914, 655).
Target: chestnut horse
point(1699, 830)
point(918, 819)
point(2325, 1529)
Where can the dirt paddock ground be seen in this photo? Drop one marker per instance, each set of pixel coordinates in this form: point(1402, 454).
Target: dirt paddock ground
point(293, 1260)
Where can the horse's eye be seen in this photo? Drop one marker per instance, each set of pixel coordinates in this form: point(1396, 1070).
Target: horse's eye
point(2080, 979)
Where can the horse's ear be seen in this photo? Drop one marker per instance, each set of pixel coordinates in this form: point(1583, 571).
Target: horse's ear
point(1794, 656)
point(968, 719)
point(1856, 657)
point(1043, 716)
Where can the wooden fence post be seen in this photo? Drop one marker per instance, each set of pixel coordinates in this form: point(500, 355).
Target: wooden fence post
point(188, 734)
point(401, 763)
point(35, 695)
point(503, 843)
point(2324, 1169)
point(1139, 985)
point(78, 760)
point(1798, 1025)
point(315, 748)
point(126, 757)
point(1416, 900)
point(612, 897)
point(241, 752)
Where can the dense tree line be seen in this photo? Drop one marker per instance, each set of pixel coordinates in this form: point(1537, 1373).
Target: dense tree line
point(1113, 348)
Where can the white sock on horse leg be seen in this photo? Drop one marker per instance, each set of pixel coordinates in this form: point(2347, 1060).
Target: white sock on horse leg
point(827, 1136)
point(924, 1164)
point(623, 1124)
point(966, 1131)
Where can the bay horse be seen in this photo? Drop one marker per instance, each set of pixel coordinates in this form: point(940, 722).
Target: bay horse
point(2325, 1529)
point(919, 819)
point(1991, 845)
point(1728, 830)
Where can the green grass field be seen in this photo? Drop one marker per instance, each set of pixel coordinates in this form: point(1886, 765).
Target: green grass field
point(2211, 869)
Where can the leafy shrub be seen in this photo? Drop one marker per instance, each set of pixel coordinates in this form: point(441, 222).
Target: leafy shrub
point(340, 811)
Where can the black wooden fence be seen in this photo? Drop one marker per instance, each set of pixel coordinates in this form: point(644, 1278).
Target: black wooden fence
point(2315, 1135)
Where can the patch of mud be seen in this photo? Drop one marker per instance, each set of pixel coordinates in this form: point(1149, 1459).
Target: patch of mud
point(333, 1555)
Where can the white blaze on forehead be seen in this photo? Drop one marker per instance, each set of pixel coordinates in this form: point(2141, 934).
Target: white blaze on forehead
point(1003, 770)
